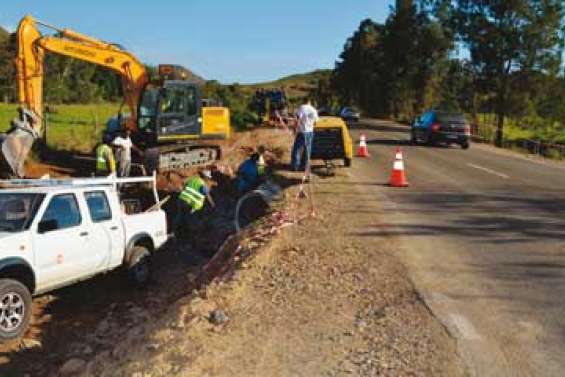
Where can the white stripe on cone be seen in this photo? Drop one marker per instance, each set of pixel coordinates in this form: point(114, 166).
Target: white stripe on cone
point(398, 165)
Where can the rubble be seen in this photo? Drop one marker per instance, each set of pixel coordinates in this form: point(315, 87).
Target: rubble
point(218, 317)
point(72, 367)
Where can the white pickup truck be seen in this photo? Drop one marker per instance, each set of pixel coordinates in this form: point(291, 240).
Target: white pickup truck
point(54, 233)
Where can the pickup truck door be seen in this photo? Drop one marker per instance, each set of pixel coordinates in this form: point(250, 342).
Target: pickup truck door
point(59, 241)
point(106, 236)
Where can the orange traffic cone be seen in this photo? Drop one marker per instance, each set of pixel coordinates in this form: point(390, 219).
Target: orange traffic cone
point(363, 151)
point(398, 177)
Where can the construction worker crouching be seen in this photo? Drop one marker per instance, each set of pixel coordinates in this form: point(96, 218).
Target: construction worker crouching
point(191, 201)
point(250, 173)
point(105, 161)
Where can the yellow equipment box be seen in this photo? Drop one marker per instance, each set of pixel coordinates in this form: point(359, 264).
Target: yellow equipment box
point(332, 141)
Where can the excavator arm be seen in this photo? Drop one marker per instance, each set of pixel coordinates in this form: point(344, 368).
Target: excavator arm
point(31, 49)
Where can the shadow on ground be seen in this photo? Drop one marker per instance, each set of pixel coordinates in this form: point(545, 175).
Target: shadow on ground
point(504, 218)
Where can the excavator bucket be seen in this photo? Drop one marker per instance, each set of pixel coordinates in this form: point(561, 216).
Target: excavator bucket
point(15, 147)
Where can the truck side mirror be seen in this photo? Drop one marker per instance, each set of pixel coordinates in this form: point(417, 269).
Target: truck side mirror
point(47, 226)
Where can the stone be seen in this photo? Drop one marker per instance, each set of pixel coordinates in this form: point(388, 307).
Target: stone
point(72, 367)
point(203, 308)
point(152, 347)
point(218, 317)
point(103, 327)
point(31, 343)
point(120, 351)
point(134, 333)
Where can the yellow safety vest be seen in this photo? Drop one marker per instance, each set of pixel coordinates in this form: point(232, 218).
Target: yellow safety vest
point(261, 166)
point(191, 194)
point(105, 159)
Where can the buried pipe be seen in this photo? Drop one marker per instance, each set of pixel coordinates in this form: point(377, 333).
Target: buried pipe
point(266, 191)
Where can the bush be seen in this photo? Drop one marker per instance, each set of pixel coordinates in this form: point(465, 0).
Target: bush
point(241, 120)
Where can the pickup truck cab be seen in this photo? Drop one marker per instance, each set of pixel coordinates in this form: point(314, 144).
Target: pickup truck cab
point(56, 233)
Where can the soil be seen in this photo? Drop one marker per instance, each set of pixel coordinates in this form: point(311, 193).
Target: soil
point(310, 300)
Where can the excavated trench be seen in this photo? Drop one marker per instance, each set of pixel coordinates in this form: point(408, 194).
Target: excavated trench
point(88, 317)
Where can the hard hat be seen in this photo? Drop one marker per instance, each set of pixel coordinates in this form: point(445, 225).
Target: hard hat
point(206, 173)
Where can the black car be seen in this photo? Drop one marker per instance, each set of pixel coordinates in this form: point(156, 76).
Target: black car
point(441, 127)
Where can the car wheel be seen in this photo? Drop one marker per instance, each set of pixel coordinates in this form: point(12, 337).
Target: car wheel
point(427, 140)
point(347, 162)
point(413, 139)
point(465, 145)
point(15, 309)
point(139, 266)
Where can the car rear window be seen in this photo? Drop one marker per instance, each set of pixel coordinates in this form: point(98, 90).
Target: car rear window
point(451, 118)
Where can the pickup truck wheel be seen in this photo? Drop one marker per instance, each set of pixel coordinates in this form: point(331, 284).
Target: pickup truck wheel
point(15, 309)
point(139, 266)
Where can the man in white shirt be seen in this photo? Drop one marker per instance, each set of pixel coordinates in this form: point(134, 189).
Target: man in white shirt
point(307, 117)
point(124, 145)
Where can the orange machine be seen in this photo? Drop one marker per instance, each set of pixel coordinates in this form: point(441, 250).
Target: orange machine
point(166, 115)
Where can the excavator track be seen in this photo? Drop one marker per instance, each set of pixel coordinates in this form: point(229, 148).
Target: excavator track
point(179, 157)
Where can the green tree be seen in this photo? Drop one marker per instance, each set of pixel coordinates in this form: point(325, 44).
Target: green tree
point(509, 42)
point(396, 68)
point(7, 68)
point(356, 65)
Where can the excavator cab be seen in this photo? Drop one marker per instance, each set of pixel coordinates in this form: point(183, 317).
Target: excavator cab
point(171, 111)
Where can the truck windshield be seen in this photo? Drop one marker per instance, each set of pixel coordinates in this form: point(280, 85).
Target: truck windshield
point(18, 210)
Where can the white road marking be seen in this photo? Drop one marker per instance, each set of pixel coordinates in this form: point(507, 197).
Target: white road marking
point(490, 171)
point(465, 328)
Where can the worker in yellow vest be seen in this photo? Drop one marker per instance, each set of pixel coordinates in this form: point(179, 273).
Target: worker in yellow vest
point(191, 200)
point(105, 161)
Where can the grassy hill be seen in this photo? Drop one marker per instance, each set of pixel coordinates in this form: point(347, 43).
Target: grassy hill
point(3, 34)
point(296, 86)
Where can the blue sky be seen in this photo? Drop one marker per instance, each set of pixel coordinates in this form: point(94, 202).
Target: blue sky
point(228, 40)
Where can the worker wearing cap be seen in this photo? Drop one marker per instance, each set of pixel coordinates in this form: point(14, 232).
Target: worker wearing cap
point(250, 173)
point(105, 161)
point(124, 146)
point(192, 199)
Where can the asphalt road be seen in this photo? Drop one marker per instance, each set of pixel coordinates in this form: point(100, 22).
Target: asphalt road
point(482, 232)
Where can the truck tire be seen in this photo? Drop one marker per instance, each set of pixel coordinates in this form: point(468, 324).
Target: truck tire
point(139, 266)
point(347, 162)
point(15, 309)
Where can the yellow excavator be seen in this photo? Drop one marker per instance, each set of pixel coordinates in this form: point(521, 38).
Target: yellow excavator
point(167, 116)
